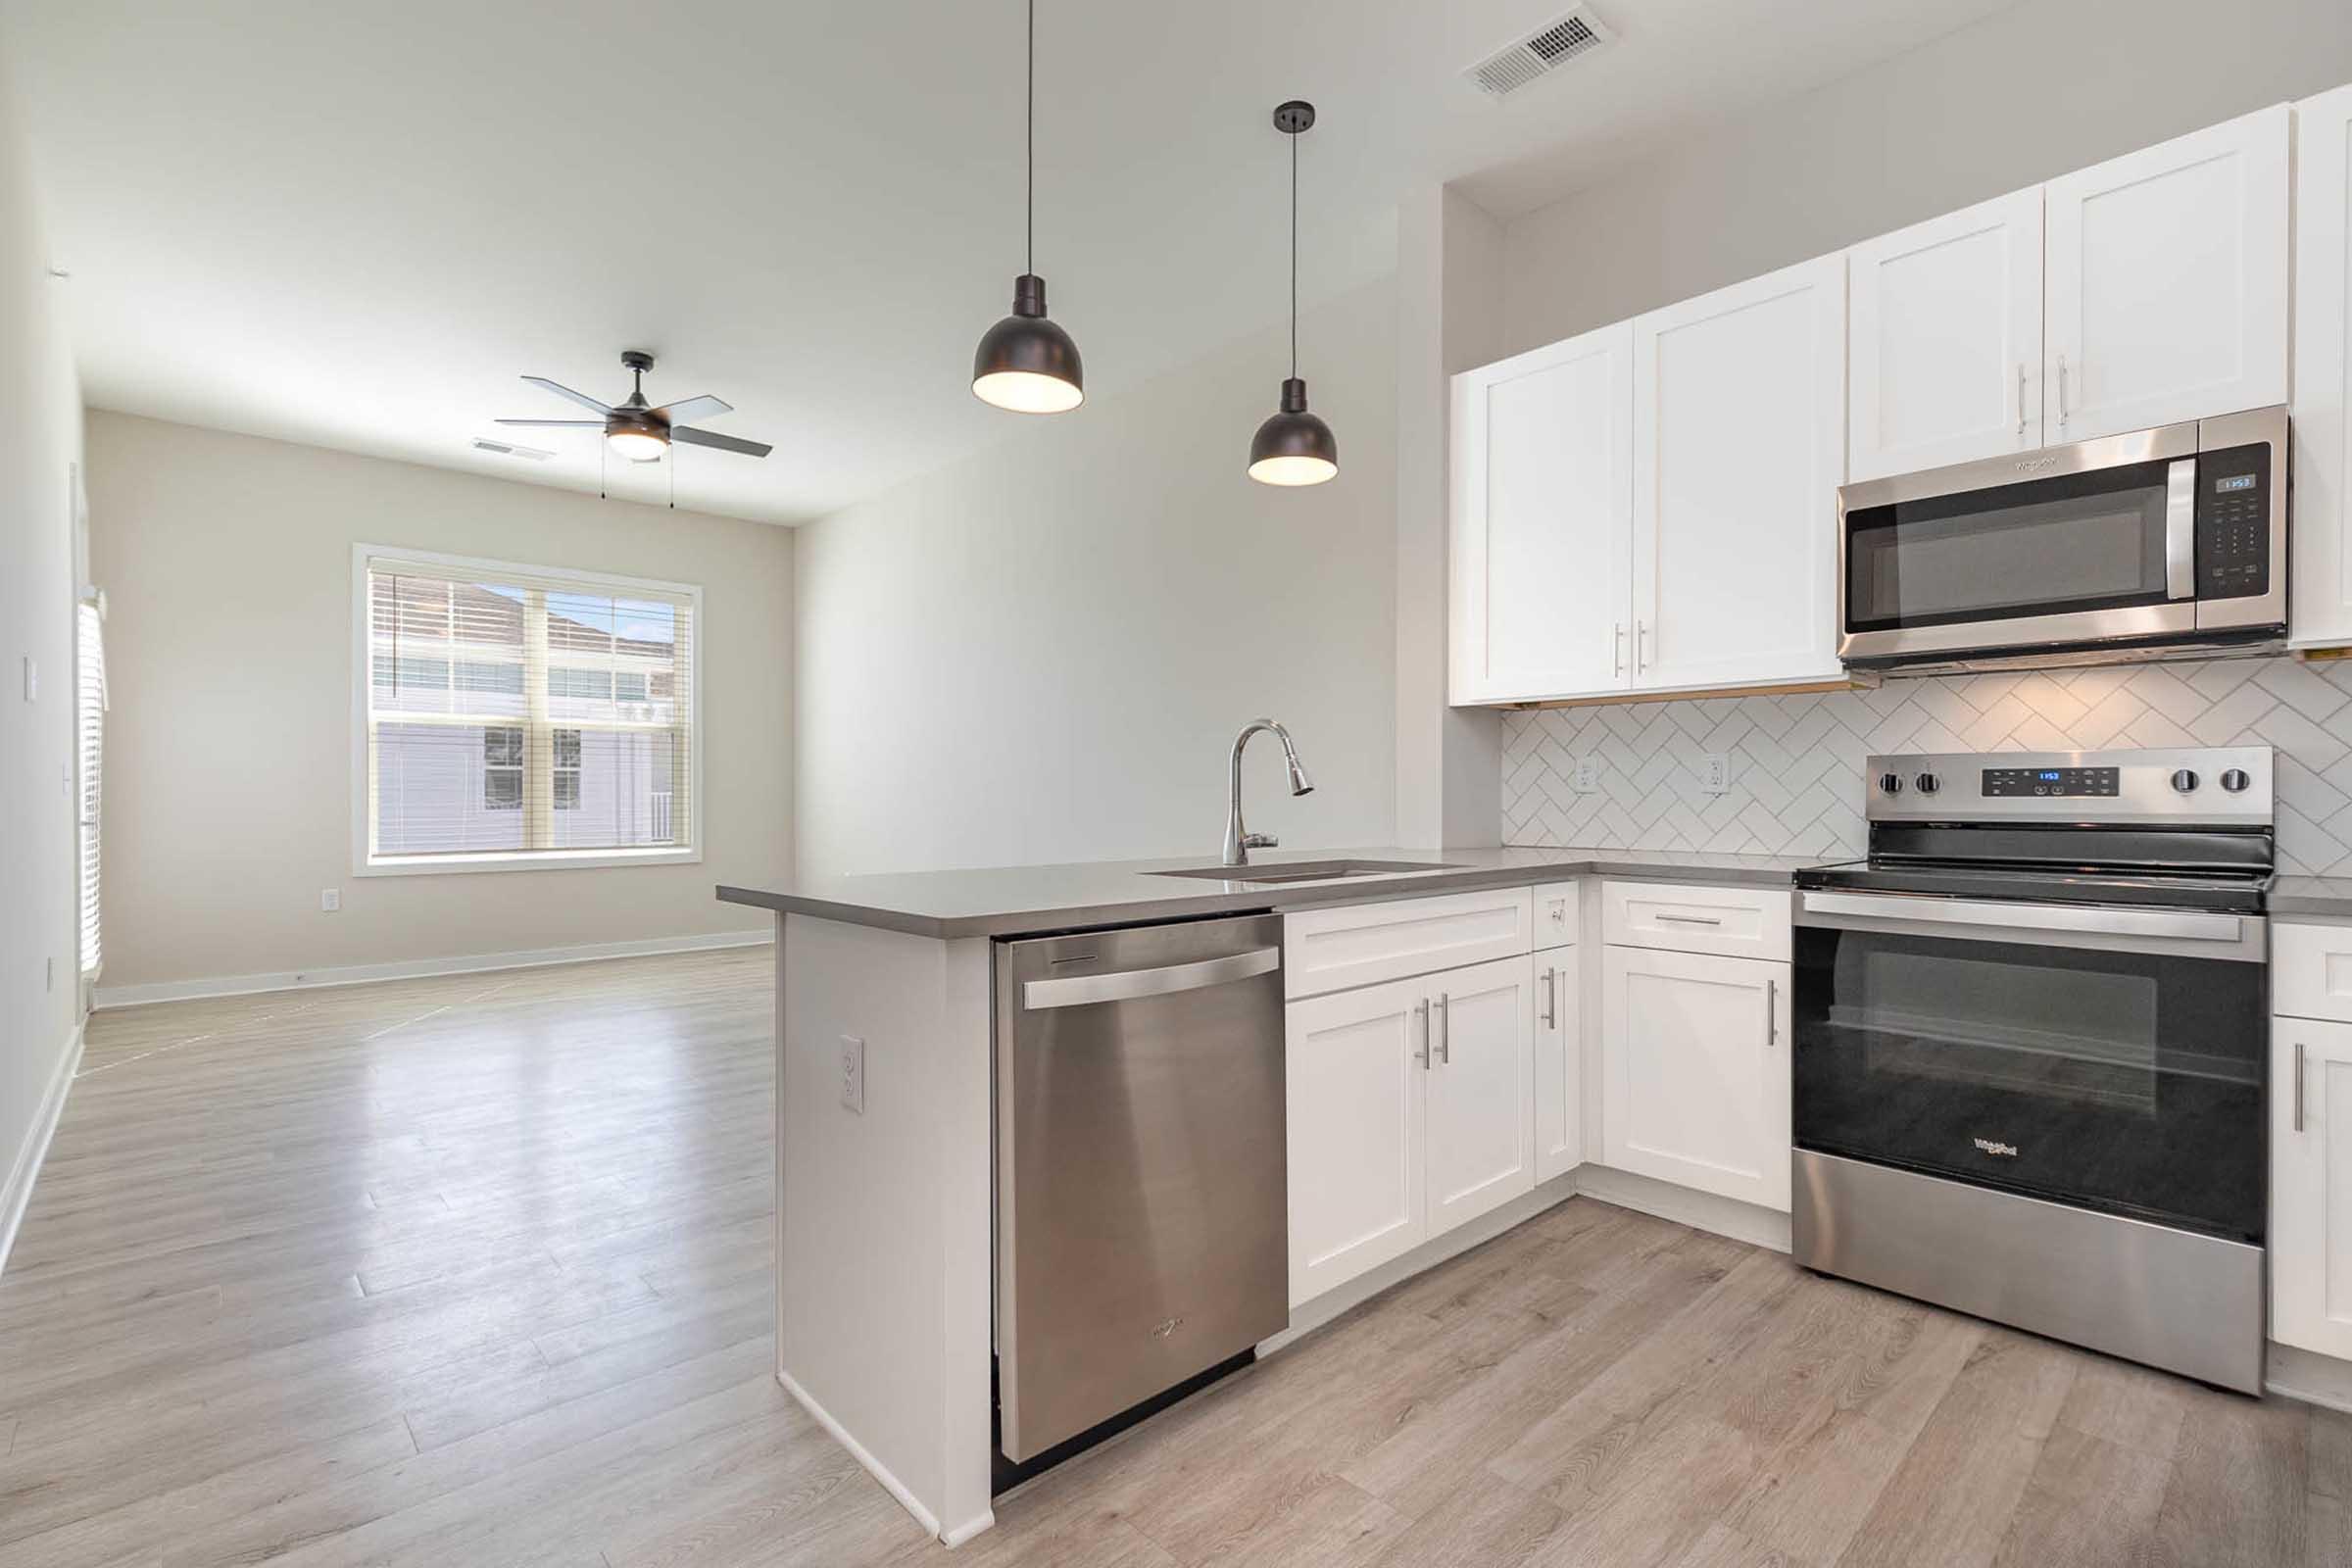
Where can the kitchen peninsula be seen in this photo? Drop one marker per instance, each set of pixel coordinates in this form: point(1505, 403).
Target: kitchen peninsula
point(884, 1029)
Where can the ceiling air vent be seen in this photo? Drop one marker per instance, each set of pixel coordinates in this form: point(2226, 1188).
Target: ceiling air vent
point(1548, 47)
point(508, 448)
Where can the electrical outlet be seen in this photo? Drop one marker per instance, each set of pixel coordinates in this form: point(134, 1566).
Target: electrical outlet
point(1715, 773)
point(330, 899)
point(1588, 775)
point(853, 1073)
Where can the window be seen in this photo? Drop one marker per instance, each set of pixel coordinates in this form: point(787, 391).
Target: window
point(520, 715)
point(89, 744)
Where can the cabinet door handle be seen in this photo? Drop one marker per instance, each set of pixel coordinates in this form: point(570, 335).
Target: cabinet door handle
point(1640, 645)
point(1421, 1017)
point(2298, 1086)
point(1772, 1012)
point(2062, 408)
point(2020, 397)
point(1551, 997)
point(1617, 648)
point(1443, 1050)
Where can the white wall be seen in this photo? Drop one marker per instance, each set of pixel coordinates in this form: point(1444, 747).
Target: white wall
point(226, 561)
point(40, 439)
point(2024, 95)
point(1043, 652)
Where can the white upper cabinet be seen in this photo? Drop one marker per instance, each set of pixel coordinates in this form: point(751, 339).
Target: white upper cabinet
point(1946, 354)
point(1542, 479)
point(2322, 579)
point(1739, 450)
point(2167, 296)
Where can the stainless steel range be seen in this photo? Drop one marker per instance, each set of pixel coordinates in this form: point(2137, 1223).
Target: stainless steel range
point(2029, 1049)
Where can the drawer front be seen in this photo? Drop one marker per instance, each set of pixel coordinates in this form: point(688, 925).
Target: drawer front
point(1365, 943)
point(2311, 971)
point(1736, 922)
point(1556, 914)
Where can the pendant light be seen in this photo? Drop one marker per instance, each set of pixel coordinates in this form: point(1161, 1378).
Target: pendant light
point(1025, 363)
point(1293, 446)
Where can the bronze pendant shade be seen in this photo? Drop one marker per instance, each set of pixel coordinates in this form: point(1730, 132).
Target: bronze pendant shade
point(1026, 362)
point(1294, 447)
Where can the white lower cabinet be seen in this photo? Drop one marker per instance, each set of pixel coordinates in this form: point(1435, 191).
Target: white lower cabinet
point(2311, 1184)
point(1559, 1063)
point(1695, 1071)
point(1408, 1114)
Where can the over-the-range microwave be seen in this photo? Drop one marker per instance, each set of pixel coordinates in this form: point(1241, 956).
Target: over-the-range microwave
point(2157, 544)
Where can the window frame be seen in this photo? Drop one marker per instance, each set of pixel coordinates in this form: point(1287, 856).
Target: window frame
point(365, 864)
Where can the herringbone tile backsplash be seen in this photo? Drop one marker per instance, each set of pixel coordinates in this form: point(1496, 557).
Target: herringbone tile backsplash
point(1796, 762)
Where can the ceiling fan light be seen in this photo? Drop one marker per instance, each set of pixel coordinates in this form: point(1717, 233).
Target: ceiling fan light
point(637, 445)
point(1026, 362)
point(1294, 447)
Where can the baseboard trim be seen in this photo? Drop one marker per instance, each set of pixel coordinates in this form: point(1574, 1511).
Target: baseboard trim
point(1685, 1206)
point(878, 1470)
point(1310, 1315)
point(17, 1195)
point(2309, 1376)
point(241, 985)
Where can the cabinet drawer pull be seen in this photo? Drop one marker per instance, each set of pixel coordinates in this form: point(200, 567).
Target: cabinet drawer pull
point(2298, 1086)
point(1688, 919)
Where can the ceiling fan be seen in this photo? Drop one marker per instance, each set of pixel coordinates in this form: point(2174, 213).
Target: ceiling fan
point(639, 431)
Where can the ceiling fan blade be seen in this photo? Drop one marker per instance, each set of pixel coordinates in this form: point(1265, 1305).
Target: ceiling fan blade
point(562, 391)
point(559, 424)
point(724, 443)
point(702, 408)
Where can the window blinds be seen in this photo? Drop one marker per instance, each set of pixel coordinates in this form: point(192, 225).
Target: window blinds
point(90, 748)
point(515, 711)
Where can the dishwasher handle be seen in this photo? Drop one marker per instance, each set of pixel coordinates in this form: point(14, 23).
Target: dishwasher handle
point(1128, 985)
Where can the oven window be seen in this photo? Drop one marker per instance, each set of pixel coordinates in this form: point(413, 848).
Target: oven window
point(2131, 1083)
point(2045, 547)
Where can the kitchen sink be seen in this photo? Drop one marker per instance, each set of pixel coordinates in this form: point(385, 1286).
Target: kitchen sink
point(1305, 870)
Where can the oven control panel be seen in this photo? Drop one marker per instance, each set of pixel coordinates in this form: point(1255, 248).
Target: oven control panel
point(2217, 786)
point(1999, 782)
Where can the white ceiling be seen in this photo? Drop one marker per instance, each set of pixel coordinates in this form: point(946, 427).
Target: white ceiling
point(357, 224)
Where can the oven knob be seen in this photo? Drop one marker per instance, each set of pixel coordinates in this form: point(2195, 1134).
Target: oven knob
point(1892, 783)
point(2235, 780)
point(1927, 783)
point(2185, 781)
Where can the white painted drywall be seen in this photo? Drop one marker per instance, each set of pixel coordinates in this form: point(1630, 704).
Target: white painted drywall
point(2018, 97)
point(226, 561)
point(40, 440)
point(1448, 319)
point(1043, 652)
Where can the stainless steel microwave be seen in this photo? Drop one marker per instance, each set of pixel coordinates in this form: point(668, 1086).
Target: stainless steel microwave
point(2157, 543)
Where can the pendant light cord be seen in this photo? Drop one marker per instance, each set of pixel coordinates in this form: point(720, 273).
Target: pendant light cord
point(1294, 252)
point(1029, 191)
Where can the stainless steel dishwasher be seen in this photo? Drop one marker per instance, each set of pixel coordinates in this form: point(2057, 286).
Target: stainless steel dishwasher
point(1142, 1209)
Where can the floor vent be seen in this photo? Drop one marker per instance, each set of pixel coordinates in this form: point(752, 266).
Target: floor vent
point(508, 448)
point(1548, 47)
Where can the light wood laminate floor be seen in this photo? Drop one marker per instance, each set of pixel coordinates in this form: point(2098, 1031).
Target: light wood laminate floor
point(474, 1272)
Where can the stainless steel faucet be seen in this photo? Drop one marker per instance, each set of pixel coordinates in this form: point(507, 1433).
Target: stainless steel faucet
point(1239, 842)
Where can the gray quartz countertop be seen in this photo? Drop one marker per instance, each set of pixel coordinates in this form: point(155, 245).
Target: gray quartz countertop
point(2292, 896)
point(1011, 901)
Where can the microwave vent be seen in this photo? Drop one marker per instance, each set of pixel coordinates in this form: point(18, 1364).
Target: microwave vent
point(1544, 50)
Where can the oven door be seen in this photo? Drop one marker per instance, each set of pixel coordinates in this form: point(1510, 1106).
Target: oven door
point(2091, 543)
point(2112, 1060)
